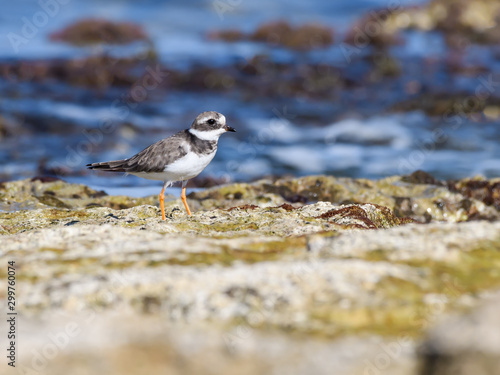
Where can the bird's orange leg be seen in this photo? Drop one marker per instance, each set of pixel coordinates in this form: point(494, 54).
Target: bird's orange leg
point(183, 197)
point(162, 206)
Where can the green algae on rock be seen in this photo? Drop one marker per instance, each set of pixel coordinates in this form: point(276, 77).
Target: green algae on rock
point(36, 193)
point(344, 261)
point(423, 201)
point(419, 198)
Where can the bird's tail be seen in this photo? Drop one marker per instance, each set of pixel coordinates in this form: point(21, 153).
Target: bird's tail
point(109, 166)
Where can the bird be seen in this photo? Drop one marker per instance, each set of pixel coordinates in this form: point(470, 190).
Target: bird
point(179, 157)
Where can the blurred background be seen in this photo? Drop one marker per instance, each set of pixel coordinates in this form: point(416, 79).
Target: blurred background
point(360, 88)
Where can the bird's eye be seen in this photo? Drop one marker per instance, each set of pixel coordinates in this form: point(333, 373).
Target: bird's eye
point(211, 121)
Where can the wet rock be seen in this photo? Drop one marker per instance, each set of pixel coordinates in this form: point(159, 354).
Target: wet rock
point(9, 127)
point(383, 66)
point(374, 30)
point(227, 35)
point(446, 104)
point(282, 33)
point(98, 71)
point(303, 37)
point(96, 31)
point(260, 76)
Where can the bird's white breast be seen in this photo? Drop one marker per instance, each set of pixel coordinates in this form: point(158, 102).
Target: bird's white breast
point(189, 166)
point(185, 168)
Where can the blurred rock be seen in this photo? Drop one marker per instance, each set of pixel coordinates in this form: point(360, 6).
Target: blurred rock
point(96, 31)
point(227, 35)
point(9, 126)
point(305, 37)
point(373, 30)
point(422, 177)
point(446, 104)
point(464, 345)
point(282, 33)
point(130, 345)
point(98, 71)
point(462, 22)
point(479, 188)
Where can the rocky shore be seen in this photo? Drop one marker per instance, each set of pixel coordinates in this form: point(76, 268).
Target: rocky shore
point(295, 276)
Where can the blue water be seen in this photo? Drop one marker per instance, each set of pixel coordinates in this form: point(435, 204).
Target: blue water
point(354, 136)
point(177, 27)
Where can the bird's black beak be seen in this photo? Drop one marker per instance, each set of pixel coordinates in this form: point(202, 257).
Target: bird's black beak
point(229, 129)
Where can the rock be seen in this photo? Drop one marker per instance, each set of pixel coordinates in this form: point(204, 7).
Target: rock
point(372, 29)
point(249, 281)
point(42, 192)
point(421, 200)
point(432, 242)
point(461, 21)
point(421, 177)
point(94, 31)
point(129, 345)
point(281, 33)
point(463, 345)
point(305, 37)
point(439, 104)
point(367, 216)
point(91, 71)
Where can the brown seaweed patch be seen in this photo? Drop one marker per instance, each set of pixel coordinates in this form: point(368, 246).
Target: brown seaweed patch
point(308, 36)
point(287, 207)
point(282, 33)
point(352, 212)
point(95, 31)
point(356, 217)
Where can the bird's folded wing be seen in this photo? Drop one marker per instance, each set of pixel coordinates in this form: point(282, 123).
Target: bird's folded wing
point(155, 157)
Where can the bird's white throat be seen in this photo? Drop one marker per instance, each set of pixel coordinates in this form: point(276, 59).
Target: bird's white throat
point(208, 135)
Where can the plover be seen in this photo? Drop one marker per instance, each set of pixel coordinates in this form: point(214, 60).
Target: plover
point(179, 157)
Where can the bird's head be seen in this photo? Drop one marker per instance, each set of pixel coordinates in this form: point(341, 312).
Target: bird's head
point(210, 126)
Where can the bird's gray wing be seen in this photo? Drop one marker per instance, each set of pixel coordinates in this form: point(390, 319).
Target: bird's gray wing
point(155, 157)
point(152, 159)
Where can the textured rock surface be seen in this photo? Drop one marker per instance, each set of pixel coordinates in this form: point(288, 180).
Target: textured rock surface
point(285, 276)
